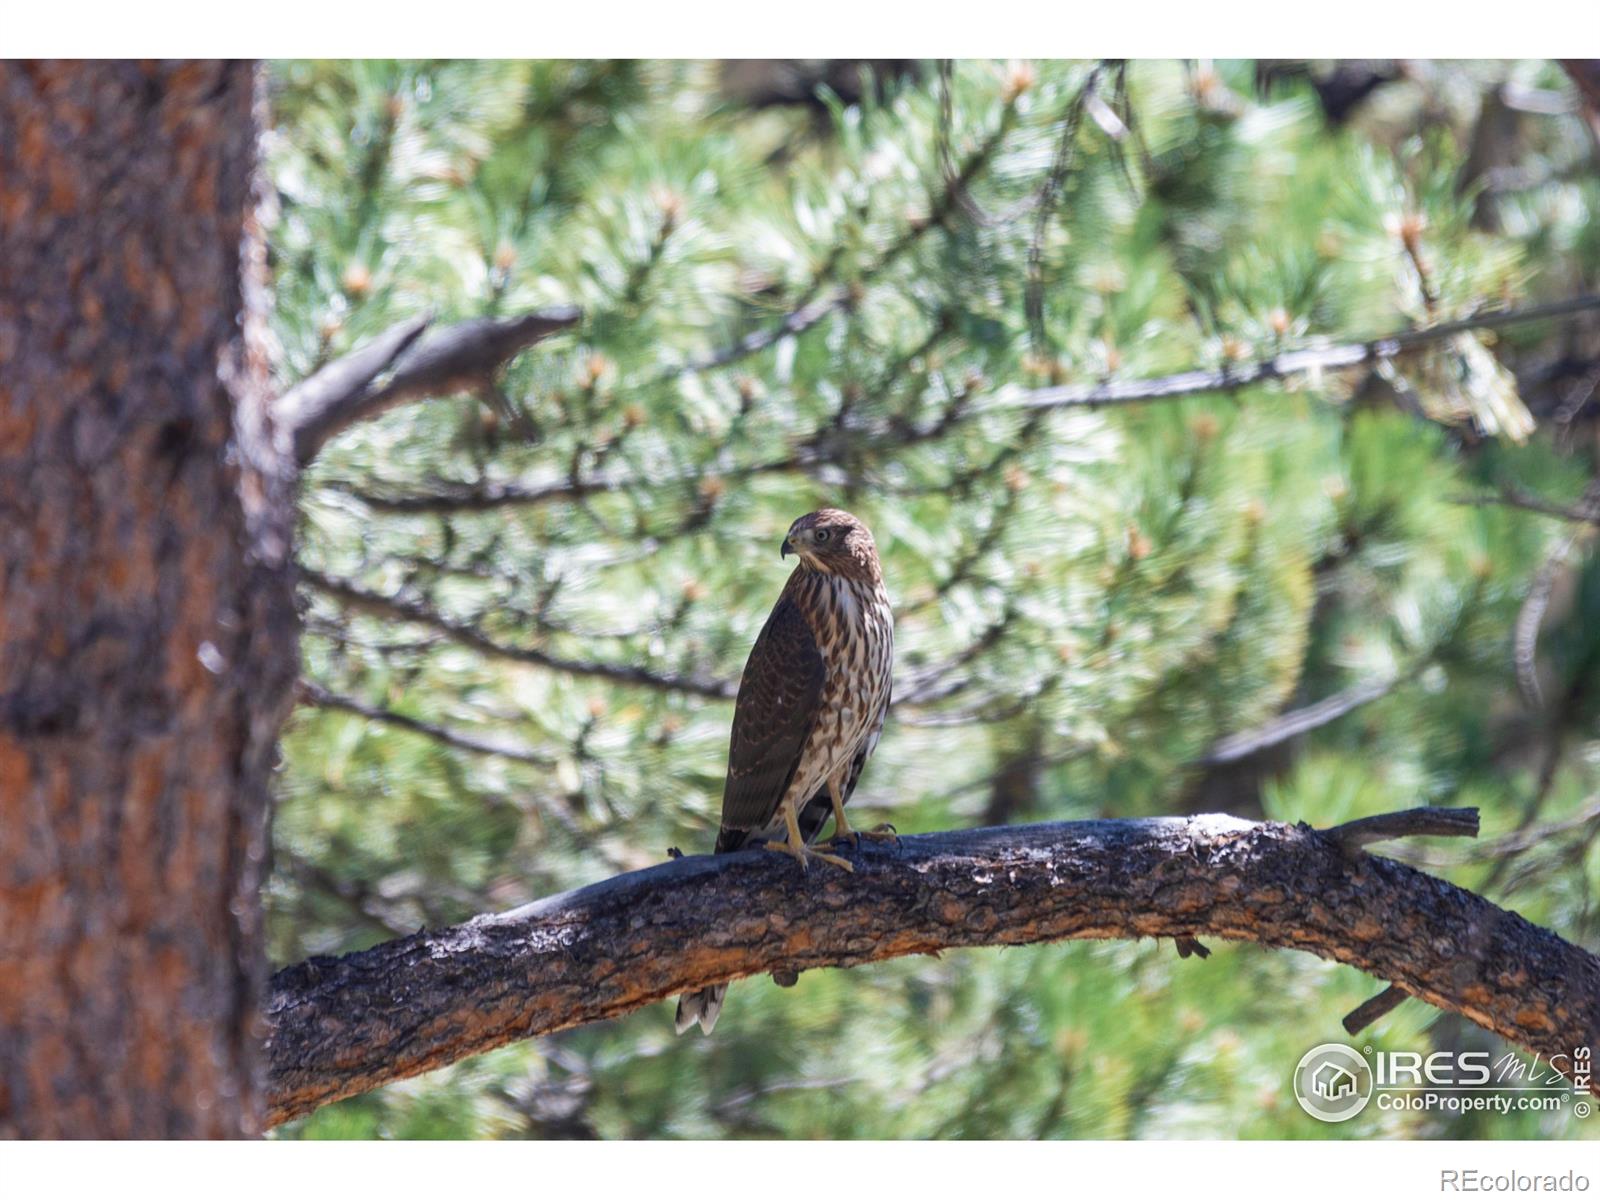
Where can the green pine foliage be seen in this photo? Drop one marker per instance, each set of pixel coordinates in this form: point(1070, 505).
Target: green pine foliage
point(840, 303)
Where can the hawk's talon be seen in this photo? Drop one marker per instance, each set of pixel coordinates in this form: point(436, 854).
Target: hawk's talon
point(803, 855)
point(852, 836)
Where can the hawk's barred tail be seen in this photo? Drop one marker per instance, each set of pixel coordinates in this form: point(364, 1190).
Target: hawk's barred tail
point(704, 1006)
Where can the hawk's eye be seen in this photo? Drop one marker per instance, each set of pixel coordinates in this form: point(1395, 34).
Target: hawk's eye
point(822, 535)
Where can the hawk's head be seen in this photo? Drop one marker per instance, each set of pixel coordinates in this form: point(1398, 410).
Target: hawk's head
point(834, 542)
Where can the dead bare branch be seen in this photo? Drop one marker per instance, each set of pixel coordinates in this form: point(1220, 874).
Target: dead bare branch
point(419, 363)
point(1413, 822)
point(1292, 724)
point(1375, 1009)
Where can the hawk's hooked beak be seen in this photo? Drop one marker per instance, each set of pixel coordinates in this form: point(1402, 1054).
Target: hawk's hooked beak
point(788, 548)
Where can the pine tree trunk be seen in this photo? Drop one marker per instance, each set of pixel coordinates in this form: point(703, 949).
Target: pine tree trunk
point(147, 637)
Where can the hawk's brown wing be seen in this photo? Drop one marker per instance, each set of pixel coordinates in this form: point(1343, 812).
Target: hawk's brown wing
point(772, 718)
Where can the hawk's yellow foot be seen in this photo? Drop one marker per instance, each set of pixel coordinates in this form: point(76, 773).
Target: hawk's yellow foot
point(842, 831)
point(803, 855)
point(795, 845)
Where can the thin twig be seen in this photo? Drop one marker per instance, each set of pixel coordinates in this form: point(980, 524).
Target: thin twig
point(354, 895)
point(1033, 296)
point(320, 696)
point(955, 182)
point(466, 634)
point(792, 325)
point(1530, 616)
point(1576, 399)
point(1508, 846)
point(1584, 512)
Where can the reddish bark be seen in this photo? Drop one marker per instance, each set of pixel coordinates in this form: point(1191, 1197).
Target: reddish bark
point(146, 623)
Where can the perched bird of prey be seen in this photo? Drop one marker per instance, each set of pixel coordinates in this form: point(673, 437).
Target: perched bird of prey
point(810, 708)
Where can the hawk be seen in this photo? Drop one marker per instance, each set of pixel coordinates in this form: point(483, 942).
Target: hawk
point(810, 707)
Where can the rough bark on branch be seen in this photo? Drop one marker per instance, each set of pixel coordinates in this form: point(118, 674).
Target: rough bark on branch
point(424, 363)
point(342, 1026)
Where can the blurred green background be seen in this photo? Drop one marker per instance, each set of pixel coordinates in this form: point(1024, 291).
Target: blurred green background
point(802, 282)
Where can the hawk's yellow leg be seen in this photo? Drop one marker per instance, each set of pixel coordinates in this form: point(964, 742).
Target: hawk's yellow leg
point(796, 847)
point(841, 827)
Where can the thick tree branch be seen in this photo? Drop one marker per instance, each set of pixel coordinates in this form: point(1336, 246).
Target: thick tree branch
point(424, 363)
point(342, 1026)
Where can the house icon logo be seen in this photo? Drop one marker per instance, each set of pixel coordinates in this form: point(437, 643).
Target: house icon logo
point(1332, 1082)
